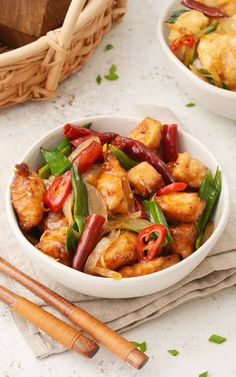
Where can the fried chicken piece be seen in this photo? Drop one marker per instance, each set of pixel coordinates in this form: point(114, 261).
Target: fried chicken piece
point(191, 22)
point(184, 235)
point(145, 268)
point(184, 207)
point(149, 132)
point(27, 190)
point(54, 221)
point(226, 6)
point(189, 170)
point(144, 179)
point(114, 187)
point(122, 251)
point(53, 243)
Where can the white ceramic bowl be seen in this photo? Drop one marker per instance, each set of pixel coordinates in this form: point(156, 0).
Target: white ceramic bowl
point(129, 287)
point(217, 100)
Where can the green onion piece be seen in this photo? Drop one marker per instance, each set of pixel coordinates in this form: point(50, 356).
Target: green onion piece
point(156, 216)
point(72, 238)
point(81, 199)
point(67, 150)
point(57, 162)
point(125, 160)
point(191, 104)
point(108, 47)
point(112, 73)
point(225, 86)
point(204, 374)
point(113, 69)
point(99, 79)
point(211, 27)
point(217, 339)
point(142, 346)
point(63, 143)
point(207, 185)
point(173, 352)
point(175, 15)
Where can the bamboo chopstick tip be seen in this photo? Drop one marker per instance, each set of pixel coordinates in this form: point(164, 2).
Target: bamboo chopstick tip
point(85, 346)
point(137, 359)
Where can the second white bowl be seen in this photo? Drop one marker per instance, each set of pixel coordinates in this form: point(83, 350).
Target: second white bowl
point(217, 100)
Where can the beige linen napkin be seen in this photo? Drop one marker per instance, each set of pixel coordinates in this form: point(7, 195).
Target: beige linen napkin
point(216, 272)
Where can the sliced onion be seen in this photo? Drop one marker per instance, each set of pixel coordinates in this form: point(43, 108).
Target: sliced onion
point(68, 208)
point(105, 272)
point(132, 222)
point(49, 181)
point(100, 248)
point(82, 146)
point(96, 203)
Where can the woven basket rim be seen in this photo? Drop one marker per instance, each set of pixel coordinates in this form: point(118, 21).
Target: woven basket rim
point(13, 56)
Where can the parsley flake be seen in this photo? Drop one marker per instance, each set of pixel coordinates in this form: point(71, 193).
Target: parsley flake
point(204, 374)
point(99, 79)
point(217, 339)
point(142, 346)
point(173, 352)
point(112, 73)
point(108, 47)
point(191, 104)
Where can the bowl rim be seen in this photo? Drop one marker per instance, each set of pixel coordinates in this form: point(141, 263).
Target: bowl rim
point(97, 279)
point(166, 9)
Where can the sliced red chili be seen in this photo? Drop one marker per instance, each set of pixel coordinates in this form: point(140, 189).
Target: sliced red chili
point(188, 40)
point(173, 187)
point(149, 242)
point(57, 193)
point(88, 156)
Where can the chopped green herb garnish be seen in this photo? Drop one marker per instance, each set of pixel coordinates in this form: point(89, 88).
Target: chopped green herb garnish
point(204, 374)
point(112, 73)
point(191, 104)
point(217, 339)
point(142, 346)
point(173, 352)
point(175, 15)
point(211, 27)
point(108, 47)
point(99, 79)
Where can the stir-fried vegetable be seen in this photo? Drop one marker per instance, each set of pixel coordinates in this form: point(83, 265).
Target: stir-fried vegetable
point(184, 48)
point(175, 15)
point(139, 152)
point(132, 222)
point(64, 148)
point(81, 199)
point(149, 242)
point(208, 11)
point(88, 240)
point(170, 142)
point(211, 77)
point(173, 187)
point(157, 217)
point(88, 156)
point(75, 133)
point(138, 205)
point(57, 162)
point(126, 161)
point(58, 191)
point(210, 191)
point(210, 28)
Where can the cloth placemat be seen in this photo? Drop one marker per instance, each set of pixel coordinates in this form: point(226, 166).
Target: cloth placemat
point(215, 273)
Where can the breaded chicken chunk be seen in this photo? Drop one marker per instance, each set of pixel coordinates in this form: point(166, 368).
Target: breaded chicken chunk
point(191, 22)
point(122, 251)
point(226, 6)
point(145, 268)
point(144, 179)
point(189, 170)
point(27, 190)
point(53, 243)
point(184, 207)
point(114, 187)
point(148, 132)
point(217, 53)
point(184, 236)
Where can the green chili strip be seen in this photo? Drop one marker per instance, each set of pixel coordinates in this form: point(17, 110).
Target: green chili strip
point(57, 162)
point(157, 217)
point(125, 160)
point(210, 194)
point(81, 199)
point(65, 148)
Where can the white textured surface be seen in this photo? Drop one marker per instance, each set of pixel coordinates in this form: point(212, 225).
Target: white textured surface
point(143, 80)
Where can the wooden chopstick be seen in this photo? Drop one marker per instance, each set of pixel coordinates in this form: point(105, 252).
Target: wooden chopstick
point(51, 325)
point(98, 330)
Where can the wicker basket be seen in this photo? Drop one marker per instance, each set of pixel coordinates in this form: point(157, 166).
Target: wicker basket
point(35, 70)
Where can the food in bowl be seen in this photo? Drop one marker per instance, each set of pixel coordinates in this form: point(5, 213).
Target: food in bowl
point(115, 206)
point(203, 38)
